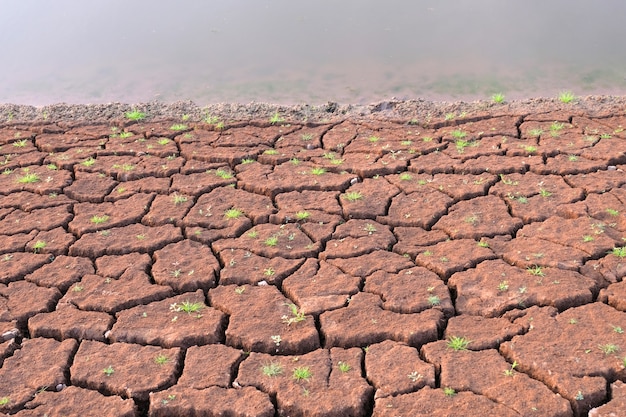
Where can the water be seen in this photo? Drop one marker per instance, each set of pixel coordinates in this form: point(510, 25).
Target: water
point(294, 51)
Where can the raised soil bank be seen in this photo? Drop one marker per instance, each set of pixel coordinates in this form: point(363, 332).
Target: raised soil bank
point(403, 258)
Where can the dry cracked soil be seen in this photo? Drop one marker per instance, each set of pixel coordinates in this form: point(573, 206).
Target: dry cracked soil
point(464, 266)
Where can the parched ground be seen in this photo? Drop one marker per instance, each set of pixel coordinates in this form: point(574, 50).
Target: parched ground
point(462, 265)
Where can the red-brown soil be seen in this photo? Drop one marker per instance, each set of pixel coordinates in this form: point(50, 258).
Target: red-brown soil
point(467, 267)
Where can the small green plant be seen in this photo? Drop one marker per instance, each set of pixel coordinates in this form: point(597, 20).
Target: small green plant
point(503, 286)
point(163, 141)
point(303, 215)
point(609, 348)
point(369, 228)
point(108, 371)
point(99, 219)
point(556, 126)
point(618, 329)
point(566, 97)
point(343, 366)
point(187, 307)
point(318, 171)
point(233, 213)
point(272, 369)
point(449, 116)
point(373, 139)
point(572, 158)
point(619, 252)
point(449, 392)
point(588, 238)
point(5, 400)
point(458, 134)
point(178, 127)
point(179, 199)
point(497, 98)
point(39, 245)
point(302, 373)
point(353, 195)
point(458, 343)
point(161, 359)
point(434, 300)
point(276, 119)
point(535, 270)
point(269, 272)
point(240, 290)
point(253, 234)
point(415, 376)
point(223, 174)
point(612, 212)
point(306, 137)
point(270, 152)
point(544, 193)
point(20, 143)
point(271, 241)
point(297, 315)
point(211, 120)
point(535, 132)
point(472, 219)
point(28, 178)
point(511, 370)
point(483, 244)
point(135, 115)
point(579, 396)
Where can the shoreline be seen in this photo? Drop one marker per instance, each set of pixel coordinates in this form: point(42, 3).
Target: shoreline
point(420, 110)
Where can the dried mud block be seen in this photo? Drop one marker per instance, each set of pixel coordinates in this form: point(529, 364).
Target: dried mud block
point(54, 242)
point(611, 152)
point(495, 379)
point(124, 369)
point(26, 201)
point(367, 199)
point(468, 148)
point(91, 217)
point(318, 286)
point(594, 360)
point(308, 136)
point(448, 257)
point(410, 291)
point(203, 182)
point(243, 267)
point(497, 164)
point(364, 322)
point(168, 209)
point(61, 273)
point(614, 295)
point(115, 266)
point(69, 322)
point(124, 240)
point(615, 406)
point(413, 240)
point(19, 221)
point(482, 332)
point(262, 319)
point(97, 293)
point(212, 401)
point(527, 252)
point(364, 265)
point(16, 242)
point(90, 188)
point(129, 168)
point(340, 136)
point(224, 206)
point(317, 224)
point(569, 165)
point(36, 179)
point(607, 270)
point(21, 300)
point(479, 217)
point(609, 208)
point(463, 187)
point(591, 236)
point(494, 287)
point(269, 240)
point(368, 165)
point(321, 383)
point(289, 177)
point(38, 363)
point(181, 321)
point(143, 185)
point(394, 368)
point(13, 266)
point(231, 155)
point(296, 201)
point(185, 266)
point(210, 365)
point(78, 401)
point(421, 209)
point(358, 237)
point(597, 182)
point(435, 403)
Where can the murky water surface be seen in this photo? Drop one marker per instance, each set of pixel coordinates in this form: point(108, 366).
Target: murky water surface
point(293, 51)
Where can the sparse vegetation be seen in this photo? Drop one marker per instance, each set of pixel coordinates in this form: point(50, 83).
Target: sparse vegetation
point(272, 369)
point(135, 115)
point(99, 219)
point(458, 343)
point(302, 373)
point(297, 315)
point(566, 97)
point(353, 195)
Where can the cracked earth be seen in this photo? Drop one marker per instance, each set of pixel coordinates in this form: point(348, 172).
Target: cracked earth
point(471, 266)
